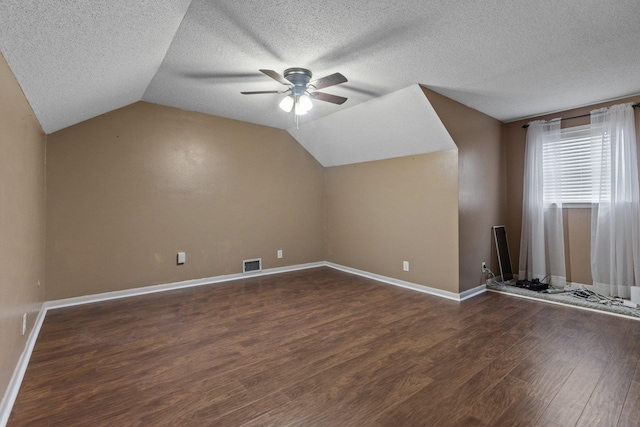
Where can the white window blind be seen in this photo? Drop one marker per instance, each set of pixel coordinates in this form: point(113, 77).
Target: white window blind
point(568, 166)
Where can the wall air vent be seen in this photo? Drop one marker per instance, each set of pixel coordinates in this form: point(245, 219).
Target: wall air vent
point(251, 265)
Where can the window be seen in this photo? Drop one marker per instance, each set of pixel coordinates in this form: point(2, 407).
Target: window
point(568, 166)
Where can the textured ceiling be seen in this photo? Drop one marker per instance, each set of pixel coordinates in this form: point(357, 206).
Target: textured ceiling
point(76, 59)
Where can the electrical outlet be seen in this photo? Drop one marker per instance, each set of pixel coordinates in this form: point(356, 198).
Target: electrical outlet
point(484, 266)
point(405, 265)
point(24, 323)
point(182, 257)
point(279, 253)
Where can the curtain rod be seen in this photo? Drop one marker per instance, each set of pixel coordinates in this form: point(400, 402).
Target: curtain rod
point(637, 104)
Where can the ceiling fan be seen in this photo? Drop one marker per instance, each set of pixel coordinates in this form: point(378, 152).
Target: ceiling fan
point(301, 89)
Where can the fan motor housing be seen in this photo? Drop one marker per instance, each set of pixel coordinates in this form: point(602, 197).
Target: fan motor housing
point(298, 76)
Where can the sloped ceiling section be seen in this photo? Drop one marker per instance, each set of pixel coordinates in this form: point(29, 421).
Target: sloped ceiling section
point(78, 59)
point(402, 123)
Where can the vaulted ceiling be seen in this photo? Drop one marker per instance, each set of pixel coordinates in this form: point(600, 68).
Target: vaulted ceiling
point(76, 59)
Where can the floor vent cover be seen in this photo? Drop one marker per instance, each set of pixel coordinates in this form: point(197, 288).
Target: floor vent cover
point(251, 265)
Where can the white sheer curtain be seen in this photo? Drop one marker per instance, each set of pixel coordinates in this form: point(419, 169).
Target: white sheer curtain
point(615, 218)
point(542, 238)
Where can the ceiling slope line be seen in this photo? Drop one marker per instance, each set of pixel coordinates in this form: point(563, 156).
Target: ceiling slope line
point(164, 57)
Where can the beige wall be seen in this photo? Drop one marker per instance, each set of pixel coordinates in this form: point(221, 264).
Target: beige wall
point(481, 201)
point(577, 221)
point(129, 189)
point(22, 201)
point(382, 213)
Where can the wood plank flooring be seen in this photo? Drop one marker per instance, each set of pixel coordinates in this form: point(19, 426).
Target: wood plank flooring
point(321, 347)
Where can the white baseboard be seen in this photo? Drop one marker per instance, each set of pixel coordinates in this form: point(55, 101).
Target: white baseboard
point(23, 362)
point(409, 285)
point(106, 296)
point(18, 373)
point(470, 293)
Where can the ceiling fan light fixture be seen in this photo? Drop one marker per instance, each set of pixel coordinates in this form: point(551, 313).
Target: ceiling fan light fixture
point(298, 82)
point(305, 102)
point(287, 103)
point(299, 109)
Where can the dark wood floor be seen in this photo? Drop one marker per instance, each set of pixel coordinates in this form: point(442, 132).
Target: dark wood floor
point(324, 348)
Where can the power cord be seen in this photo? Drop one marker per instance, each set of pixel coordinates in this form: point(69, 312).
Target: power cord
point(488, 271)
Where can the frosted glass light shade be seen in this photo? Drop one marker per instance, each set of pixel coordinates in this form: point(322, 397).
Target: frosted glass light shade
point(305, 102)
point(299, 110)
point(287, 103)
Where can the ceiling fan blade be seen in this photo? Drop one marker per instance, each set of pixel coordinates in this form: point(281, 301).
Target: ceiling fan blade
point(263, 91)
point(333, 79)
point(321, 96)
point(277, 77)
